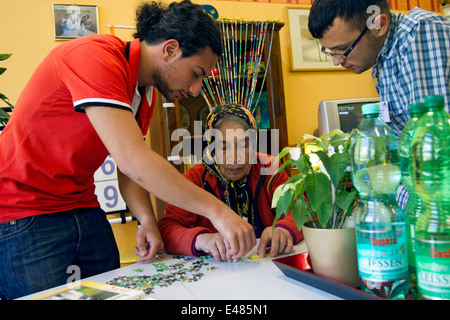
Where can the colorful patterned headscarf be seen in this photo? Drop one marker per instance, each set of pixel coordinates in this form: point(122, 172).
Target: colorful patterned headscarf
point(216, 114)
point(236, 193)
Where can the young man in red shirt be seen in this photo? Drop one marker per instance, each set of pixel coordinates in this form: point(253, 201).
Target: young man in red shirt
point(91, 97)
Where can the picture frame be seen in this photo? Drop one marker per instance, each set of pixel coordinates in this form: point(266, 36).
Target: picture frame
point(304, 50)
point(74, 20)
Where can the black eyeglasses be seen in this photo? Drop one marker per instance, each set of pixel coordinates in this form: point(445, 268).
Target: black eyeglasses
point(347, 52)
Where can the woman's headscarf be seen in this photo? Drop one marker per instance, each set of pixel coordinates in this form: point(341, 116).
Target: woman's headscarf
point(218, 112)
point(235, 193)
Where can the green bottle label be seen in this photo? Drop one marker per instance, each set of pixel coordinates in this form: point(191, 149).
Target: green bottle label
point(382, 256)
point(433, 268)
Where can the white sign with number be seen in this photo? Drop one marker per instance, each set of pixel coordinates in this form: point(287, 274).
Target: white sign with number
point(107, 187)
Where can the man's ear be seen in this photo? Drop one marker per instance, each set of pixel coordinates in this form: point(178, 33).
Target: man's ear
point(170, 49)
point(380, 24)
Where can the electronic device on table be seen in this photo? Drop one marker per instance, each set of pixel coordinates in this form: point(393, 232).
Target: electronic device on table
point(344, 114)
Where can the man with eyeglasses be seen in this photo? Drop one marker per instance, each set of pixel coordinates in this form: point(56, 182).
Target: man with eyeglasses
point(409, 54)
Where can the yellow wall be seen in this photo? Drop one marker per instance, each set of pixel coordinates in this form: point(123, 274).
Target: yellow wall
point(26, 30)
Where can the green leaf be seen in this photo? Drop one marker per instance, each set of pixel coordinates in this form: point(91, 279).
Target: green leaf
point(326, 161)
point(308, 136)
point(352, 208)
point(323, 213)
point(317, 187)
point(345, 199)
point(276, 195)
point(281, 189)
point(299, 212)
point(2, 70)
point(299, 188)
point(331, 134)
point(278, 171)
point(6, 100)
point(339, 163)
point(4, 114)
point(338, 139)
point(301, 164)
point(294, 179)
point(4, 56)
point(282, 154)
point(283, 203)
point(318, 143)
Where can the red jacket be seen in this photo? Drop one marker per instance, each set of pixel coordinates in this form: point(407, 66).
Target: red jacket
point(179, 227)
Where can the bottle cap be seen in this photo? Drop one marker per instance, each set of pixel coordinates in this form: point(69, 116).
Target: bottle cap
point(418, 107)
point(370, 108)
point(433, 101)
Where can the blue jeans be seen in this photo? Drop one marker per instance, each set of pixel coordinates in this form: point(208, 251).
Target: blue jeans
point(35, 252)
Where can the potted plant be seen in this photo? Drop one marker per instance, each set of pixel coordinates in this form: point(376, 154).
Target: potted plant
point(321, 199)
point(4, 116)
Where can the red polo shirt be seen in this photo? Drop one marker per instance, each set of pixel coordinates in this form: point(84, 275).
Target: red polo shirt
point(49, 150)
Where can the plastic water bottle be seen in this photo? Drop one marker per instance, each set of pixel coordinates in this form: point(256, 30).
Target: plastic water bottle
point(380, 224)
point(414, 205)
point(430, 155)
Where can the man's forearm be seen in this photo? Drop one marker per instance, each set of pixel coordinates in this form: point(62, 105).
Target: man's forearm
point(137, 198)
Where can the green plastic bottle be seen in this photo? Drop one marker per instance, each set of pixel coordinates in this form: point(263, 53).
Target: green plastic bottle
point(380, 224)
point(430, 166)
point(414, 205)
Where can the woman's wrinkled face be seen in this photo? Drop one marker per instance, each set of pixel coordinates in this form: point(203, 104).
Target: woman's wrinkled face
point(233, 148)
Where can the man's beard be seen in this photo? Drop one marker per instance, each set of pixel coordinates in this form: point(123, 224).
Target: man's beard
point(160, 84)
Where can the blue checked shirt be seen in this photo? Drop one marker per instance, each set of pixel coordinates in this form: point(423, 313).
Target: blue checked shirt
point(414, 62)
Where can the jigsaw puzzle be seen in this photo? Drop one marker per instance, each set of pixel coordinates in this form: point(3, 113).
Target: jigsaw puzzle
point(162, 274)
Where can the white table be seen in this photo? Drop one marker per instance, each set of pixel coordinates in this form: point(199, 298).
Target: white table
point(250, 279)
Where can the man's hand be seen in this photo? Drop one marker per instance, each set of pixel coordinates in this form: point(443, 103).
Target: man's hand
point(149, 241)
point(238, 235)
point(280, 241)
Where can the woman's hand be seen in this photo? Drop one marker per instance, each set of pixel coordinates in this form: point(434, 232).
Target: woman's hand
point(279, 240)
point(214, 244)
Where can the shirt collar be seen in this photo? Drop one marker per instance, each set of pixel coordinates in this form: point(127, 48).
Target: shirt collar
point(133, 60)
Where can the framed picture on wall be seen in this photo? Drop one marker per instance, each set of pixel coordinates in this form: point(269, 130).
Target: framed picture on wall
point(305, 54)
point(72, 21)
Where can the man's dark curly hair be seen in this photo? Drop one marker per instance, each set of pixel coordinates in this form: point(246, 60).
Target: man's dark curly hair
point(183, 21)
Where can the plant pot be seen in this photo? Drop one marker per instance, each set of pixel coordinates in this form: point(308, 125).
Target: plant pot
point(446, 10)
point(332, 253)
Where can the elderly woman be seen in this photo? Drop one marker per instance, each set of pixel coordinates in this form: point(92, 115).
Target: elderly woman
point(239, 176)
